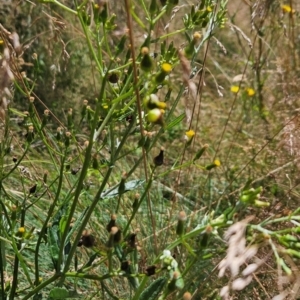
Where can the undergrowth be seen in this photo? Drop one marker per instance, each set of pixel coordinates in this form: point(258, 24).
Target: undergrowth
point(149, 150)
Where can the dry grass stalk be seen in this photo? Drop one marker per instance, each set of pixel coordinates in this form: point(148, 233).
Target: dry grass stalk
point(237, 255)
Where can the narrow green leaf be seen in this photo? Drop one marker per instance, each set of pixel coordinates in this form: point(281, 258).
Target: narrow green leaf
point(154, 289)
point(175, 121)
point(76, 225)
point(59, 293)
point(53, 245)
point(200, 152)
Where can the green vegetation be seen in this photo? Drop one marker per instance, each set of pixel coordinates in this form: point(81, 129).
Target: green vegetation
point(149, 150)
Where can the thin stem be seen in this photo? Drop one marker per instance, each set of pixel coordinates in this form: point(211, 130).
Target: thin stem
point(41, 286)
point(139, 107)
point(66, 8)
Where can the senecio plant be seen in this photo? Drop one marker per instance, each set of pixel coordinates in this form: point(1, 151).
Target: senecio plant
point(82, 219)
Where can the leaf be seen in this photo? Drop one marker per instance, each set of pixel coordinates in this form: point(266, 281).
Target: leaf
point(129, 186)
point(175, 121)
point(53, 245)
point(54, 236)
point(59, 293)
point(38, 296)
point(76, 225)
point(200, 153)
point(154, 289)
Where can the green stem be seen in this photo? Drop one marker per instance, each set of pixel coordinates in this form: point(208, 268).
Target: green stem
point(138, 205)
point(172, 33)
point(49, 215)
point(41, 286)
point(66, 8)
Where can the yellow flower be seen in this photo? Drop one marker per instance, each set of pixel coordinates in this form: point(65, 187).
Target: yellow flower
point(209, 9)
point(166, 67)
point(189, 135)
point(235, 89)
point(250, 92)
point(152, 101)
point(217, 163)
point(287, 8)
point(21, 229)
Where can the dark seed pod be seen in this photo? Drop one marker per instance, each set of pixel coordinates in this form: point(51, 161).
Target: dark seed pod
point(150, 270)
point(121, 188)
point(112, 236)
point(131, 240)
point(87, 240)
point(118, 237)
point(159, 159)
point(32, 189)
point(113, 77)
point(125, 265)
point(45, 177)
point(112, 223)
point(74, 171)
point(95, 162)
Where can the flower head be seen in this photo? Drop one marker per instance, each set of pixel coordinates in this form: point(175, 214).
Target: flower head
point(250, 92)
point(166, 67)
point(287, 8)
point(235, 89)
point(21, 230)
point(189, 135)
point(217, 163)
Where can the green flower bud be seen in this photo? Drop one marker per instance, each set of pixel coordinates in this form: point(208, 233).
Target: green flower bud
point(215, 164)
point(58, 133)
point(111, 240)
point(45, 118)
point(259, 203)
point(293, 252)
point(45, 177)
point(153, 7)
point(172, 284)
point(181, 223)
point(152, 101)
point(95, 162)
point(155, 116)
point(121, 188)
point(67, 138)
point(70, 118)
point(31, 109)
point(189, 50)
point(166, 68)
point(121, 45)
point(200, 152)
point(30, 134)
point(146, 62)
